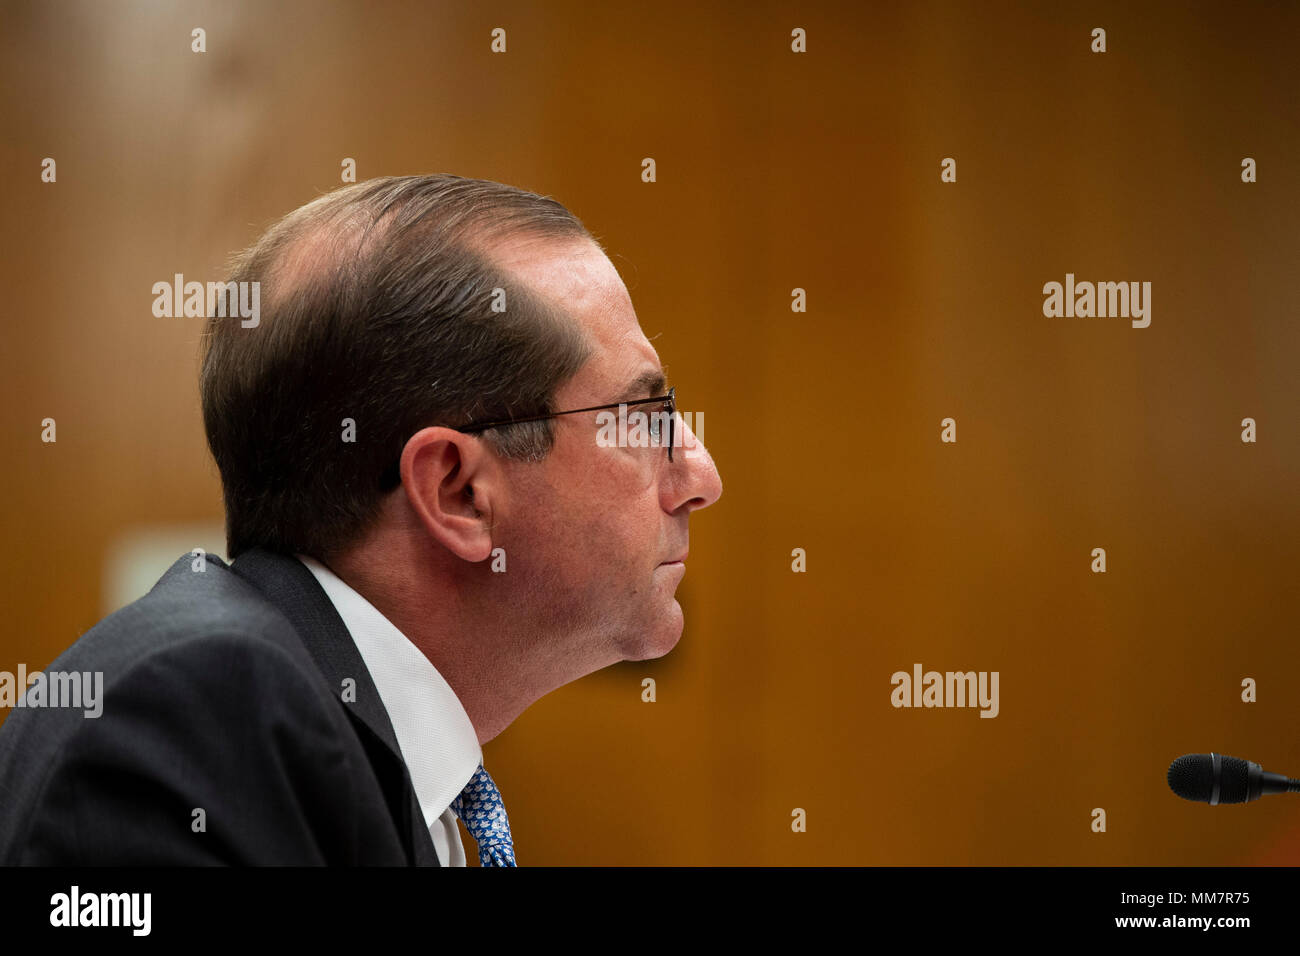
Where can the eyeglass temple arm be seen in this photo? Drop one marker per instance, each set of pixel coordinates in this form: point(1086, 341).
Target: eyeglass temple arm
point(573, 411)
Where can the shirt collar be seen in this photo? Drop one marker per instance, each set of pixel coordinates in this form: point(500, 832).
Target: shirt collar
point(434, 733)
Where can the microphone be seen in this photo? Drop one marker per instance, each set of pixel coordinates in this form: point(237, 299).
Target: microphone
point(1216, 778)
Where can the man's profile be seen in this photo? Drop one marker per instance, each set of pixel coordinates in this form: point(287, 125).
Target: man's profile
point(424, 534)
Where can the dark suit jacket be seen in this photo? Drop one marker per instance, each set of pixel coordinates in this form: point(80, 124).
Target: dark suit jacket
point(223, 691)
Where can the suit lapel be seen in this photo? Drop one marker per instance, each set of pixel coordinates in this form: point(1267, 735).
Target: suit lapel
point(288, 583)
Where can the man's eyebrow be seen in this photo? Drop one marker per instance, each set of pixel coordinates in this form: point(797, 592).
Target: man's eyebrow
point(646, 385)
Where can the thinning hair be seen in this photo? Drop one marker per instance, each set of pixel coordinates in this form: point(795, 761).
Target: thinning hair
point(377, 313)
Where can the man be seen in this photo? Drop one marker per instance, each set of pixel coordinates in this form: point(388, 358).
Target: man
point(428, 530)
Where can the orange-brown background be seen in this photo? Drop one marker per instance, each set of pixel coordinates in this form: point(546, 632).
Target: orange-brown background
point(775, 170)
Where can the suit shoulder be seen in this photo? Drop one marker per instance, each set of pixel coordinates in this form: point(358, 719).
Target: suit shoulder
point(195, 636)
point(184, 613)
point(200, 683)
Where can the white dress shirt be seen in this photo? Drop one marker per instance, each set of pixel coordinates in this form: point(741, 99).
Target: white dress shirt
point(434, 733)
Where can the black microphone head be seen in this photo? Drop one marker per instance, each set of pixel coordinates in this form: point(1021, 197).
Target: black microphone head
point(1191, 776)
point(1234, 782)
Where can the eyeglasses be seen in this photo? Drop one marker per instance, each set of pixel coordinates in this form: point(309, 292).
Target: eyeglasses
point(392, 476)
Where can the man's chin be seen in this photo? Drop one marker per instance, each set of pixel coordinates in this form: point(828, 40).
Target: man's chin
point(663, 637)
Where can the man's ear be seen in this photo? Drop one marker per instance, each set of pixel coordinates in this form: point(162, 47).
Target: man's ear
point(452, 482)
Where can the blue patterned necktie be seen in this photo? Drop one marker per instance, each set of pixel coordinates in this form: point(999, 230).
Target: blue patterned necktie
point(480, 808)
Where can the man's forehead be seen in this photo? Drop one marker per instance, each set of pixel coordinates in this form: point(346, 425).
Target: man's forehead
point(578, 278)
point(572, 273)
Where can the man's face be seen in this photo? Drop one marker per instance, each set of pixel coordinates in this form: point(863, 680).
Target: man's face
point(598, 531)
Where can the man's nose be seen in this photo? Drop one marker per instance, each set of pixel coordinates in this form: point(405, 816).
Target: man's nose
point(700, 485)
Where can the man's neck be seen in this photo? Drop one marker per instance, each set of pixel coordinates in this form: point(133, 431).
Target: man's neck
point(494, 659)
